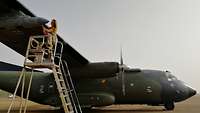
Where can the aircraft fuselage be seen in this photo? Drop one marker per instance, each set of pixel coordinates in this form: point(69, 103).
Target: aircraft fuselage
point(141, 87)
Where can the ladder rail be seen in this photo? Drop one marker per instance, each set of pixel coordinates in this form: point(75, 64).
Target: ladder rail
point(27, 52)
point(16, 89)
point(68, 85)
point(59, 55)
point(28, 92)
point(67, 81)
point(22, 93)
point(71, 88)
point(55, 48)
point(61, 93)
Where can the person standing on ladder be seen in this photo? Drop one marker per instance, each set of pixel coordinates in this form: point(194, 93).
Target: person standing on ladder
point(51, 38)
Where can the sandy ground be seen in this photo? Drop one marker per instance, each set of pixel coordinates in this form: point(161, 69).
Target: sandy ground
point(191, 105)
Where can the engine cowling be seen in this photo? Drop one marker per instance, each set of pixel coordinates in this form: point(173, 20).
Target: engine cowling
point(95, 70)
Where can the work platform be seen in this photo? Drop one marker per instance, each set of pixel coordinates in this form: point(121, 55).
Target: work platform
point(41, 65)
point(43, 54)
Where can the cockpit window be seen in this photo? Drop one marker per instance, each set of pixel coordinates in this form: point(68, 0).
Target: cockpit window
point(170, 77)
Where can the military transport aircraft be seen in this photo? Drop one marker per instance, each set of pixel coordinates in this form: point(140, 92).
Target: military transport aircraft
point(97, 84)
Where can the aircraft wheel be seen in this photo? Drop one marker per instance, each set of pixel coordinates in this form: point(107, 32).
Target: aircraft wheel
point(169, 105)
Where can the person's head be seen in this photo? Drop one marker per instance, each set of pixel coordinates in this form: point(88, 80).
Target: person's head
point(53, 23)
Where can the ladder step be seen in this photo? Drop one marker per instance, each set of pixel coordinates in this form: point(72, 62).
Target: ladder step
point(39, 65)
point(59, 73)
point(30, 56)
point(70, 90)
point(63, 88)
point(57, 66)
point(67, 90)
point(67, 104)
point(36, 51)
point(57, 54)
point(66, 96)
point(61, 80)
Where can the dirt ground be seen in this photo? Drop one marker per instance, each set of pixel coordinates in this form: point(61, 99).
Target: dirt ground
point(191, 105)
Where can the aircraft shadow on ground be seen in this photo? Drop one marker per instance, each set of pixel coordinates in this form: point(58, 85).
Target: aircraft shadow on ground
point(33, 111)
point(91, 111)
point(123, 111)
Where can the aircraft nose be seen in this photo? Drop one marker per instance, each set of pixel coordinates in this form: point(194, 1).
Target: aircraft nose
point(184, 92)
point(191, 92)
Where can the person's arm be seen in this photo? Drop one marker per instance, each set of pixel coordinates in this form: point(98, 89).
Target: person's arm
point(47, 29)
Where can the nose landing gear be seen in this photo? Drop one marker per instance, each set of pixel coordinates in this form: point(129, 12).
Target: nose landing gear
point(169, 105)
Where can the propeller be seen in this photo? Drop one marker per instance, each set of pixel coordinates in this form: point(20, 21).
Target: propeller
point(122, 68)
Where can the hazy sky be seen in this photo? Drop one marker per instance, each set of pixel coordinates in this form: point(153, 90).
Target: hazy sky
point(155, 34)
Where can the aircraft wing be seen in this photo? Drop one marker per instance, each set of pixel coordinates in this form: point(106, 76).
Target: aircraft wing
point(17, 23)
point(11, 67)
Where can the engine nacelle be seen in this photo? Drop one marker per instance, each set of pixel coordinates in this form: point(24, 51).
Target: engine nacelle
point(95, 70)
point(96, 99)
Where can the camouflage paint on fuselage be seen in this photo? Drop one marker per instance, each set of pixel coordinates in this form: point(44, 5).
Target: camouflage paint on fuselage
point(141, 87)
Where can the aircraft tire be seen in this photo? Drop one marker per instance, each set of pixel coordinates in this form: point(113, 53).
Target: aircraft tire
point(169, 106)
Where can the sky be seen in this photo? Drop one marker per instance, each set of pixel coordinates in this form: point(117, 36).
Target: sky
point(154, 34)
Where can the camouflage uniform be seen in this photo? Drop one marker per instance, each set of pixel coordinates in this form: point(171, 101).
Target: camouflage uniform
point(51, 39)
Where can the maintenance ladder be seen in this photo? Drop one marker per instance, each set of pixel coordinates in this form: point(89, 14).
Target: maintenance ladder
point(37, 57)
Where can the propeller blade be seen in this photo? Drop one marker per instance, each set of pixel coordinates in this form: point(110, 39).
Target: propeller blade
point(122, 72)
point(121, 58)
point(123, 82)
